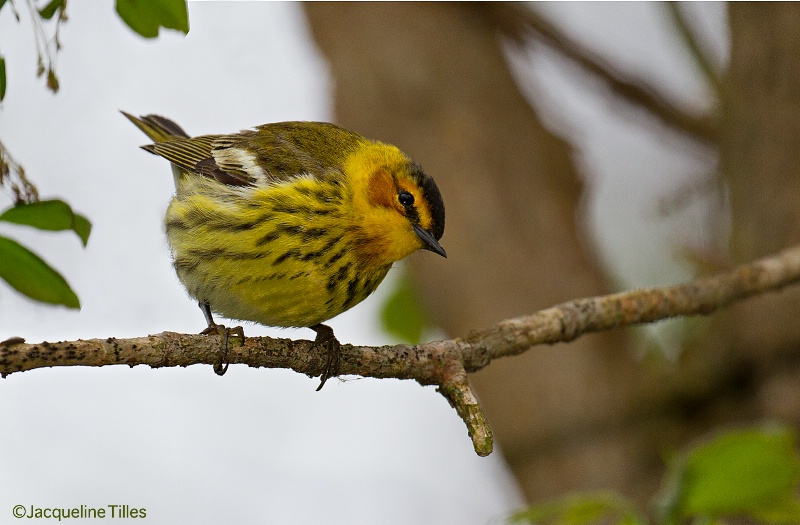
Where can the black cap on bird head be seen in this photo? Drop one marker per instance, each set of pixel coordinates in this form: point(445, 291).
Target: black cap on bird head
point(430, 237)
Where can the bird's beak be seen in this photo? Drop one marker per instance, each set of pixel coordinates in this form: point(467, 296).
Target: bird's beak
point(429, 241)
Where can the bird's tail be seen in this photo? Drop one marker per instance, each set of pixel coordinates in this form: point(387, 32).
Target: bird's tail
point(158, 128)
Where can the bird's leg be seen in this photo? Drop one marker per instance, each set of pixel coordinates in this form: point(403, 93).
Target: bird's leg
point(326, 339)
point(213, 328)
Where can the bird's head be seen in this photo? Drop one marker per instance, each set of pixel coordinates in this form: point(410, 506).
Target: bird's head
point(399, 207)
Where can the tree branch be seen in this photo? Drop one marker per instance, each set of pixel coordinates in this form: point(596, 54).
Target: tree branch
point(441, 363)
point(519, 21)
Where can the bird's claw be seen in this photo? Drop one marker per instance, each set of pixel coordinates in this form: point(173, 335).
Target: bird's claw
point(221, 366)
point(325, 338)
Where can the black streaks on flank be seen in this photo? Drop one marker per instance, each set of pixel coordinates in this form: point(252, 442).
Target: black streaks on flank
point(327, 212)
point(310, 256)
point(245, 256)
point(299, 230)
point(328, 195)
point(315, 233)
point(297, 210)
point(338, 277)
point(275, 276)
point(206, 253)
point(195, 217)
point(293, 229)
point(306, 235)
point(286, 255)
point(183, 265)
point(361, 285)
point(176, 224)
point(285, 208)
point(336, 256)
point(231, 226)
point(372, 283)
point(316, 255)
point(352, 292)
point(209, 254)
point(294, 253)
point(304, 190)
point(268, 238)
point(329, 245)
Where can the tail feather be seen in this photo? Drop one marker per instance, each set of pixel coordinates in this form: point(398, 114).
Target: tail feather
point(158, 128)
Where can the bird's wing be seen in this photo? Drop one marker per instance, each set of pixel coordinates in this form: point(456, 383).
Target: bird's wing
point(269, 154)
point(281, 151)
point(194, 155)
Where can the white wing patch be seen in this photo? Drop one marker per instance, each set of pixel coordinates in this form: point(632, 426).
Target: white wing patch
point(238, 160)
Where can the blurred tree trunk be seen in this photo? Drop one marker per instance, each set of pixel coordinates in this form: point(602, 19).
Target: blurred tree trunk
point(760, 160)
point(432, 79)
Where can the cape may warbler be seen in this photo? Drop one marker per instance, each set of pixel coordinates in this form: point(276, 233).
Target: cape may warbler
point(291, 223)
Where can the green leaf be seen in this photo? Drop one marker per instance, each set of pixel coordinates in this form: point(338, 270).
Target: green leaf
point(582, 509)
point(2, 77)
point(27, 273)
point(2, 3)
point(147, 16)
point(402, 315)
point(50, 9)
point(82, 227)
point(751, 472)
point(52, 215)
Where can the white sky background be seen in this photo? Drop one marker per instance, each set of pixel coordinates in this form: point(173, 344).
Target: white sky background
point(261, 446)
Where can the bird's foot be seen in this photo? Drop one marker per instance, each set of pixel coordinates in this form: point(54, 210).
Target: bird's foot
point(326, 339)
point(222, 365)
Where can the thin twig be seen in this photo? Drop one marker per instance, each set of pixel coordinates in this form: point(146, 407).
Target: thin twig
point(693, 45)
point(12, 176)
point(441, 363)
point(521, 20)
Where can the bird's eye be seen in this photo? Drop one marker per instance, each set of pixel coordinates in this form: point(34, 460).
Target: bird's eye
point(405, 198)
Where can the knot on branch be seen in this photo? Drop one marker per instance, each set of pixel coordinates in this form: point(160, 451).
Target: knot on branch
point(573, 319)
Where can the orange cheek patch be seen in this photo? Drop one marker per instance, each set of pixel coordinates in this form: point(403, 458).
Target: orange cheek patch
point(381, 190)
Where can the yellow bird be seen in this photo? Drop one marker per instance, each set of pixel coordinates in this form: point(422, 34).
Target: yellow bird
point(291, 223)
